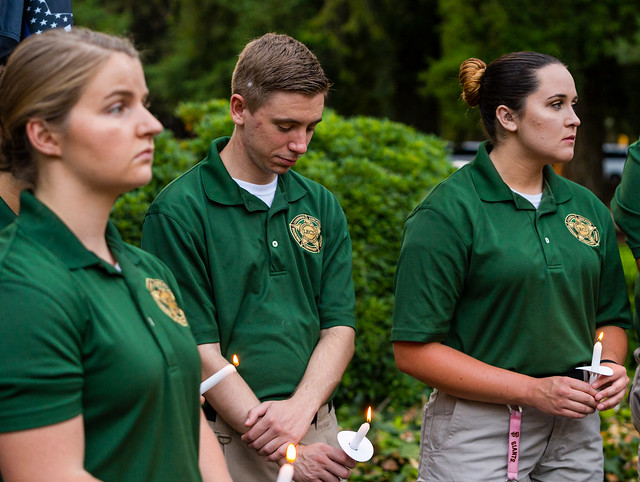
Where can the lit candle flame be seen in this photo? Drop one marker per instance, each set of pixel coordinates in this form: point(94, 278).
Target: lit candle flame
point(601, 335)
point(235, 360)
point(369, 415)
point(291, 453)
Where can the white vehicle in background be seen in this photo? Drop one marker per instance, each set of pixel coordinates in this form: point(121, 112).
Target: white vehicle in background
point(613, 161)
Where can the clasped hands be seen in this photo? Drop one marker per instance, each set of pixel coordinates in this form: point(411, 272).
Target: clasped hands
point(275, 424)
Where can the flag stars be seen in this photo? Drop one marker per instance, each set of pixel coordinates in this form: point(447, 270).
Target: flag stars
point(37, 10)
point(44, 22)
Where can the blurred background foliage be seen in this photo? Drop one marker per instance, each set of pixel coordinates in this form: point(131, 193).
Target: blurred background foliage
point(395, 60)
point(394, 111)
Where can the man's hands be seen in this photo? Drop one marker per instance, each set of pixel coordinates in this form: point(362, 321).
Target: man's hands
point(321, 462)
point(274, 425)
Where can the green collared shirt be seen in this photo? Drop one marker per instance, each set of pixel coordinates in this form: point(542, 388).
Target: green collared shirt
point(260, 281)
point(481, 270)
point(7, 216)
point(625, 206)
point(79, 337)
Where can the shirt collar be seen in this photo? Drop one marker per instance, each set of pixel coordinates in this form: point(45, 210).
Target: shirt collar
point(491, 187)
point(6, 214)
point(44, 227)
point(222, 189)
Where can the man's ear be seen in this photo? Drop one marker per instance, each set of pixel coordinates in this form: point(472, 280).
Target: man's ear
point(42, 138)
point(238, 109)
point(506, 117)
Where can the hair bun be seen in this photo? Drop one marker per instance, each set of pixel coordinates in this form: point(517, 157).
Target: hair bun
point(471, 73)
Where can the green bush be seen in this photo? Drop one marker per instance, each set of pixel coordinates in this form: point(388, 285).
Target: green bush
point(379, 170)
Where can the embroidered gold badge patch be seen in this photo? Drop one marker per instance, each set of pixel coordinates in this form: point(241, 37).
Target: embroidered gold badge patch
point(306, 230)
point(166, 300)
point(583, 229)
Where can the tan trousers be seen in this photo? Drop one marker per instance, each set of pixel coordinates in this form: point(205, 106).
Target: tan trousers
point(245, 465)
point(466, 441)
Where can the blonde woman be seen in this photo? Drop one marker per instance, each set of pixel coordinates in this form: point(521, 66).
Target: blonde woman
point(99, 371)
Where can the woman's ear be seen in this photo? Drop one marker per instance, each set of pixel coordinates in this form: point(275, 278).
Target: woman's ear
point(42, 138)
point(237, 109)
point(507, 118)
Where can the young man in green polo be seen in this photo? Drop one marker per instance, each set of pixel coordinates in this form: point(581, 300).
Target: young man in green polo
point(263, 256)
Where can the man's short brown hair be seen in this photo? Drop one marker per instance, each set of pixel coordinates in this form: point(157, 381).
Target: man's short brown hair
point(276, 63)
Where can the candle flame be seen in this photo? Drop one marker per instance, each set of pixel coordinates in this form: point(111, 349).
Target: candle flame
point(235, 360)
point(601, 335)
point(291, 453)
point(369, 415)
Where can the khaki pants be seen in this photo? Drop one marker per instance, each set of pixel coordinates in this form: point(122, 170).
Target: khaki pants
point(468, 441)
point(245, 465)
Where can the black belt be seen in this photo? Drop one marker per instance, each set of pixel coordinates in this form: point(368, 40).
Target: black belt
point(211, 414)
point(575, 373)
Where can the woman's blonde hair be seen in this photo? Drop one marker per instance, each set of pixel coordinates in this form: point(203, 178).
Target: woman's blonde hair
point(44, 78)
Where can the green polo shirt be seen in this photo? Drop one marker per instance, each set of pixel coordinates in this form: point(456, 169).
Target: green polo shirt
point(626, 212)
point(78, 337)
point(7, 216)
point(481, 270)
point(260, 281)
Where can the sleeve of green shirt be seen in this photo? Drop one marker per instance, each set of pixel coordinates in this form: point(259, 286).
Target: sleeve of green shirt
point(41, 374)
point(626, 201)
point(166, 238)
point(613, 305)
point(429, 278)
point(337, 300)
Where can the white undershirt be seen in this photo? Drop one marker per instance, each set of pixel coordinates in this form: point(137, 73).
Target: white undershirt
point(265, 192)
point(532, 198)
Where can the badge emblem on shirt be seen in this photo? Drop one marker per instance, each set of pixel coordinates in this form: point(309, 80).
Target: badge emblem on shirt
point(166, 300)
point(306, 230)
point(583, 229)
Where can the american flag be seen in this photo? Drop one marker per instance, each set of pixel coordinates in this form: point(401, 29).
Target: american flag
point(41, 15)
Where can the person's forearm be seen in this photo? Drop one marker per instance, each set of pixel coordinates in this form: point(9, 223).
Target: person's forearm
point(326, 367)
point(614, 343)
point(460, 375)
point(213, 467)
point(232, 398)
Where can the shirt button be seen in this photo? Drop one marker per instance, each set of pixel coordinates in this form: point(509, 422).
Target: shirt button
point(274, 244)
point(547, 240)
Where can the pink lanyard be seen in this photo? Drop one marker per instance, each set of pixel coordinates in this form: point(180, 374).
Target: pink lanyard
point(513, 455)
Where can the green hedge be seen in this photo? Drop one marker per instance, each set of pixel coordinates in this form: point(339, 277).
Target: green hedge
point(379, 170)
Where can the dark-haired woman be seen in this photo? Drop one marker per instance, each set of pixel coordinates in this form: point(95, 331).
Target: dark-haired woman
point(99, 372)
point(506, 275)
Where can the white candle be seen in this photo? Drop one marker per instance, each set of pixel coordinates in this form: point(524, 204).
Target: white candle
point(595, 359)
point(597, 353)
point(216, 378)
point(285, 474)
point(360, 434)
